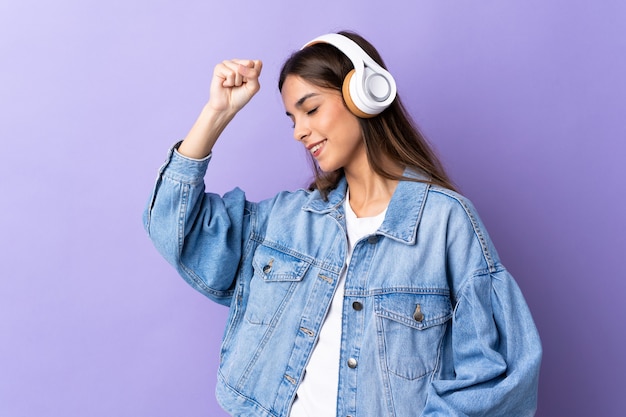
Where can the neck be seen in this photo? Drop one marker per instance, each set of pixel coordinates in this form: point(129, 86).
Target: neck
point(369, 192)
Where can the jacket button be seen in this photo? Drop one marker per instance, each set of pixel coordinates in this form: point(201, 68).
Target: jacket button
point(372, 239)
point(357, 306)
point(268, 266)
point(418, 315)
point(352, 363)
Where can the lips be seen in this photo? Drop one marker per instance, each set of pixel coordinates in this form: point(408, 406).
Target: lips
point(316, 148)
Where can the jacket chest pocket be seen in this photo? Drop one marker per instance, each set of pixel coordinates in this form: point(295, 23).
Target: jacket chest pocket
point(412, 328)
point(275, 277)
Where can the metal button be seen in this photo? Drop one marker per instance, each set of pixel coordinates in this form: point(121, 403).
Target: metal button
point(306, 331)
point(417, 314)
point(352, 363)
point(268, 267)
point(357, 306)
point(372, 239)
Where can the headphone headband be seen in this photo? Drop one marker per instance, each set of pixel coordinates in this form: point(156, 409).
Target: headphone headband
point(369, 88)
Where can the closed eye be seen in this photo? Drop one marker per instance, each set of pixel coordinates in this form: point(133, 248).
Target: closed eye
point(309, 113)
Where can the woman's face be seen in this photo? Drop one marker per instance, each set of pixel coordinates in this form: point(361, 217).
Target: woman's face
point(324, 125)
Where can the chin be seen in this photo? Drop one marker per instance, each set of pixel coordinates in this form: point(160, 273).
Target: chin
point(326, 169)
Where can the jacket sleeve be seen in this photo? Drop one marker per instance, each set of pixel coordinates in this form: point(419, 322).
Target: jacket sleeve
point(200, 234)
point(496, 353)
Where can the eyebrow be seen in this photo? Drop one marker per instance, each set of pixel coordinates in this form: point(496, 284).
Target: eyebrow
point(304, 98)
point(300, 102)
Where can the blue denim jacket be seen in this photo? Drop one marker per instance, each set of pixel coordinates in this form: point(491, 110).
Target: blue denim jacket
point(433, 324)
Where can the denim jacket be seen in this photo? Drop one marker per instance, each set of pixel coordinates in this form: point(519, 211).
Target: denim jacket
point(433, 324)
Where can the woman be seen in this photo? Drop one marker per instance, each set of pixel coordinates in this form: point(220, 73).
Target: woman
point(376, 292)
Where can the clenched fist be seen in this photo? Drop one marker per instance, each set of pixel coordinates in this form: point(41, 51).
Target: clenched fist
point(234, 83)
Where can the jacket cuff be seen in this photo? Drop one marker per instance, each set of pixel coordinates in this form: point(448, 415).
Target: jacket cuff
point(183, 168)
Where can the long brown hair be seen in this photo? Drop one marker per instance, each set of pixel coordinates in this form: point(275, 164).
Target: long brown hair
point(392, 135)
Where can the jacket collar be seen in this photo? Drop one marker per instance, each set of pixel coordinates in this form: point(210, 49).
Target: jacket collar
point(403, 213)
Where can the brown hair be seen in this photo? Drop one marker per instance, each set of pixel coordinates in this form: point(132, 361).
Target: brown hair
point(390, 135)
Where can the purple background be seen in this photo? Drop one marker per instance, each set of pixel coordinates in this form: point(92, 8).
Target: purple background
point(524, 100)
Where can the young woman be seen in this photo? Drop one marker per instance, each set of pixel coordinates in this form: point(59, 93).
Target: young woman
point(375, 292)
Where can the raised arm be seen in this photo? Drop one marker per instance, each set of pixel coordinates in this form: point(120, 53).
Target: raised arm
point(233, 84)
point(200, 233)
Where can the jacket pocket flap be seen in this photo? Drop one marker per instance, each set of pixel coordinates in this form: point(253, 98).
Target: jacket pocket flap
point(274, 265)
point(419, 311)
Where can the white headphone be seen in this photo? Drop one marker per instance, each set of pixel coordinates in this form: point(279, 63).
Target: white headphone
point(368, 89)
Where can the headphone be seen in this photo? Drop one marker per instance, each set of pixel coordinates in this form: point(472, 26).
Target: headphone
point(368, 89)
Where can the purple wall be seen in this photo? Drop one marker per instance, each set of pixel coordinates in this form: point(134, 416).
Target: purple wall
point(524, 100)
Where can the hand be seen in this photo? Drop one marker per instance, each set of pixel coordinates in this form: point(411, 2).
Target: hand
point(234, 83)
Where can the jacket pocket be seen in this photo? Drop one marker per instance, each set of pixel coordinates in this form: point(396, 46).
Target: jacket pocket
point(276, 273)
point(412, 326)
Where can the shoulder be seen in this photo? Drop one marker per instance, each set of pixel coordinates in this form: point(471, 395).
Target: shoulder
point(462, 222)
point(445, 196)
point(450, 207)
point(287, 200)
point(283, 206)
point(453, 204)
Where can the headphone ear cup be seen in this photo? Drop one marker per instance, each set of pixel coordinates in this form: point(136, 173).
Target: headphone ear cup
point(377, 87)
point(348, 95)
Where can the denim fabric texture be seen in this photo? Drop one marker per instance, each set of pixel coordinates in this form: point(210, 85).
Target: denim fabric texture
point(433, 324)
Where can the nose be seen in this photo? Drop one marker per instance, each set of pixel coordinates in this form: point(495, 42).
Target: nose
point(300, 131)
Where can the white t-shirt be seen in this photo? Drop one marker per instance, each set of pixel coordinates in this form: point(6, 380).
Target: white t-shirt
point(317, 394)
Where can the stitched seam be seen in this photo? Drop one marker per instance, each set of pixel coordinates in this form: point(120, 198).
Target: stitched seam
point(475, 226)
